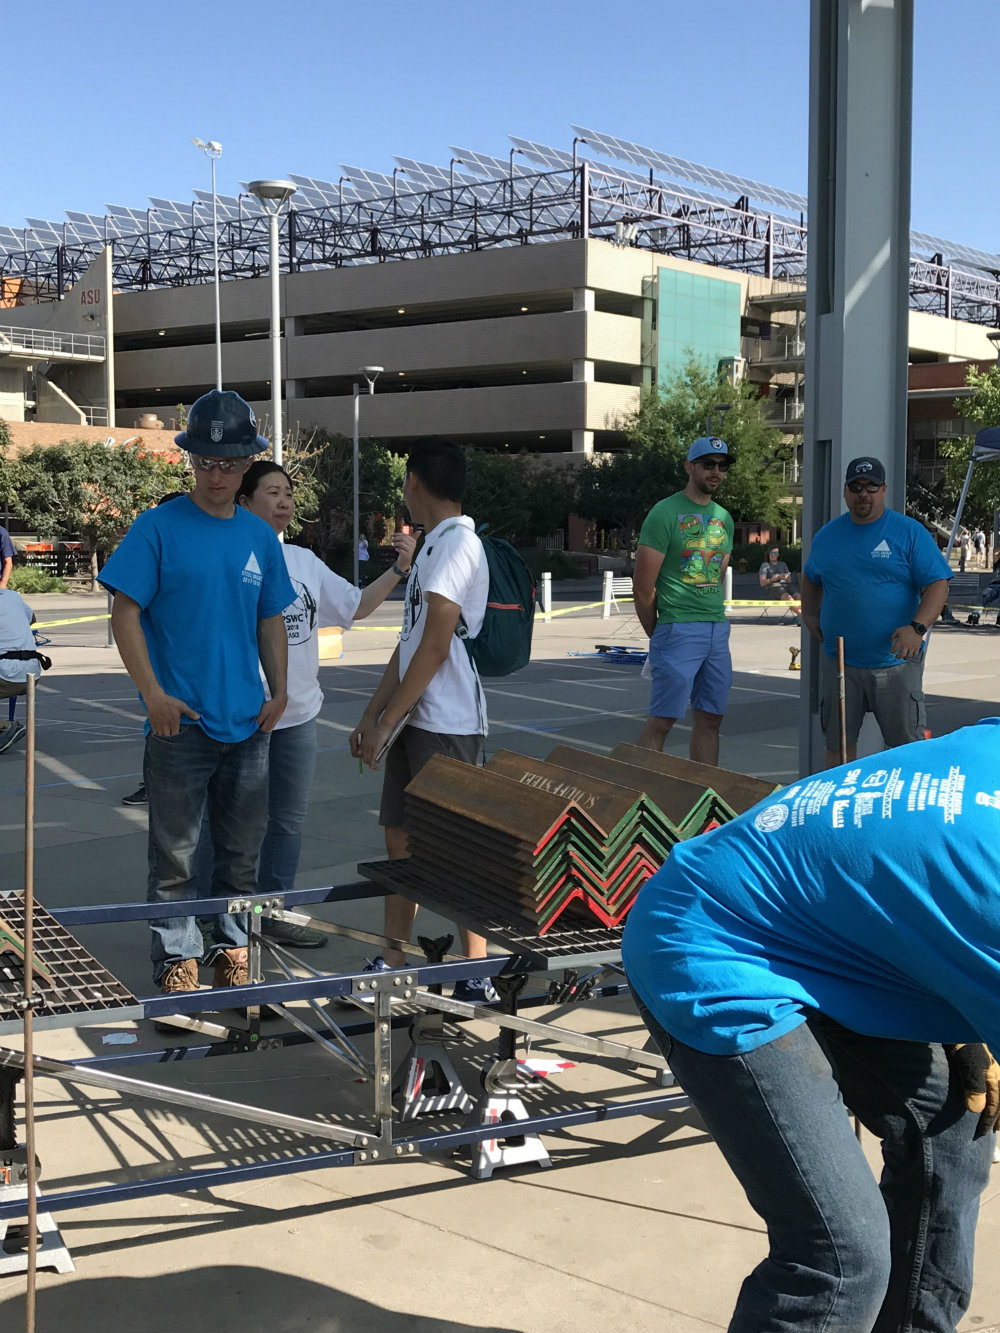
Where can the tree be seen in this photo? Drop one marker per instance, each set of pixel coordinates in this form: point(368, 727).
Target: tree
point(91, 491)
point(618, 491)
point(982, 409)
point(321, 465)
point(519, 497)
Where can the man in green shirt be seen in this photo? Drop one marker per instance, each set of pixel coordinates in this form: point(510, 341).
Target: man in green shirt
point(684, 548)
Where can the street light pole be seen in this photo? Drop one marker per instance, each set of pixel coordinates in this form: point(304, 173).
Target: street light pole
point(371, 374)
point(213, 151)
point(273, 195)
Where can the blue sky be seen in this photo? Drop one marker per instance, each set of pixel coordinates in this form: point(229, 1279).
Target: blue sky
point(101, 99)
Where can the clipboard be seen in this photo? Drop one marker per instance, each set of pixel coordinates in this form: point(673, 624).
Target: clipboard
point(394, 734)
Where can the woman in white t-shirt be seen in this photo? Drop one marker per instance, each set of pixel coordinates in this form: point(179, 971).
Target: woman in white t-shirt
point(323, 598)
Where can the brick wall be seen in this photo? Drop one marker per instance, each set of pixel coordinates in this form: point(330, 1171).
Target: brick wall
point(27, 434)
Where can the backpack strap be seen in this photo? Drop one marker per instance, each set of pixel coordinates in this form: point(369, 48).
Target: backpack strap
point(462, 633)
point(23, 655)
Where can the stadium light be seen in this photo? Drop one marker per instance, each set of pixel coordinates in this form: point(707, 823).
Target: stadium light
point(213, 151)
point(371, 374)
point(273, 195)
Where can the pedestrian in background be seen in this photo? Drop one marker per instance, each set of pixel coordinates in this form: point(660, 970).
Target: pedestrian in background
point(684, 548)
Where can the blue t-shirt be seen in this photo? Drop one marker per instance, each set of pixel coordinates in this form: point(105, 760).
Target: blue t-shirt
point(7, 549)
point(871, 575)
point(870, 893)
point(203, 583)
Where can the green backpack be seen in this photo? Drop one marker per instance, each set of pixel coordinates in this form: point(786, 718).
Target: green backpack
point(503, 644)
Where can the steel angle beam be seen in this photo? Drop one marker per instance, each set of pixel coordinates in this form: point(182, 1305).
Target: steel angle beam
point(682, 802)
point(193, 1101)
point(613, 1050)
point(495, 801)
point(739, 790)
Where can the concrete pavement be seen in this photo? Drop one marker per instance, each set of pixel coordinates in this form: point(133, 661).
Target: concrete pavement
point(638, 1227)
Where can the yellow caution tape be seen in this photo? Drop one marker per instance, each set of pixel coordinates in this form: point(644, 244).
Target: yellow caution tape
point(76, 620)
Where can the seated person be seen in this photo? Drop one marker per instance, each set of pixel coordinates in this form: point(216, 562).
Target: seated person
point(18, 656)
point(776, 579)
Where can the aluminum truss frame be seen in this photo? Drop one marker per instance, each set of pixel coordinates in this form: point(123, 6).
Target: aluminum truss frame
point(374, 1145)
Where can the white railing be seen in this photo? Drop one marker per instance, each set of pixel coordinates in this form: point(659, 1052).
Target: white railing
point(96, 416)
point(785, 347)
point(51, 343)
point(784, 410)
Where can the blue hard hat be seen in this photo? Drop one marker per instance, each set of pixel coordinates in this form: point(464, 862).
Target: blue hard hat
point(221, 424)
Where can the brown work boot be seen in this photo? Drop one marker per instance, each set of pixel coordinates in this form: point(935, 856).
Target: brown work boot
point(182, 976)
point(231, 968)
point(178, 979)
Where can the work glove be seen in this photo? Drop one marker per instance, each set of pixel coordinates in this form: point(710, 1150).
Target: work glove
point(979, 1075)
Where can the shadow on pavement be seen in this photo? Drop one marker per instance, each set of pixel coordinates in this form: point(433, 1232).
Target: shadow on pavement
point(222, 1299)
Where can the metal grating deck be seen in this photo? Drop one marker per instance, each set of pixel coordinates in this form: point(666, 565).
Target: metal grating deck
point(84, 990)
point(584, 945)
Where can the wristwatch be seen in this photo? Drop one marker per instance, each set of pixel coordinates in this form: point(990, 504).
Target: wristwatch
point(400, 573)
point(916, 625)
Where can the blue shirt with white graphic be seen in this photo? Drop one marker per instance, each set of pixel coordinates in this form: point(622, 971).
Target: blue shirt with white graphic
point(868, 892)
point(203, 583)
point(871, 575)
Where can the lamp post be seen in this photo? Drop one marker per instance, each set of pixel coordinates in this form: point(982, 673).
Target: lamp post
point(371, 374)
point(451, 177)
point(213, 151)
point(273, 196)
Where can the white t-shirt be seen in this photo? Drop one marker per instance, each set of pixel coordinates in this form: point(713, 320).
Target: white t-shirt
point(451, 562)
point(322, 598)
point(16, 636)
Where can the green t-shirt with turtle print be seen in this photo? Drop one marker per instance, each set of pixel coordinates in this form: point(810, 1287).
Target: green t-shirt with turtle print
point(695, 540)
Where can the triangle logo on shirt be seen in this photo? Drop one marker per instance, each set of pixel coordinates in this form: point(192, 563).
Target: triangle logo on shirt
point(882, 551)
point(251, 566)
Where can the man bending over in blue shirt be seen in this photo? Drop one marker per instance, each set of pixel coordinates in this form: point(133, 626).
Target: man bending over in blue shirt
point(837, 948)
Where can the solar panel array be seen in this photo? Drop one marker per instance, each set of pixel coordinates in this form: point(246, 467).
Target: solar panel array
point(679, 168)
point(688, 183)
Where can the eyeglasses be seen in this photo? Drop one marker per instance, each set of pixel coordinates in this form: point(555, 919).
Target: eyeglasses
point(723, 464)
point(863, 488)
point(228, 465)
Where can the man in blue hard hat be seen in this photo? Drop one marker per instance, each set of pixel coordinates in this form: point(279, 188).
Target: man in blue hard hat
point(684, 548)
point(200, 586)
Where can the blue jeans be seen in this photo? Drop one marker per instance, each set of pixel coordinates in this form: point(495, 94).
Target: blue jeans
point(190, 779)
point(848, 1253)
point(292, 764)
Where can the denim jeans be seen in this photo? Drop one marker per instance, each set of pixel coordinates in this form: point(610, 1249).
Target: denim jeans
point(291, 766)
point(847, 1254)
point(192, 779)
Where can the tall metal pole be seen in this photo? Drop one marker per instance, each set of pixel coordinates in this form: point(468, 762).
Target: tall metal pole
point(357, 475)
point(276, 436)
point(371, 374)
point(213, 150)
point(218, 294)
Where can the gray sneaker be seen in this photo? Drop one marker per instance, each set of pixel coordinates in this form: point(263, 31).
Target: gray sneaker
point(11, 735)
point(292, 936)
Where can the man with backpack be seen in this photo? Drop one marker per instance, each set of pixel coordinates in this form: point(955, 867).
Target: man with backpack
point(431, 684)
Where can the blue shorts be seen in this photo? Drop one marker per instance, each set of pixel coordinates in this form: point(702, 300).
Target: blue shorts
point(690, 661)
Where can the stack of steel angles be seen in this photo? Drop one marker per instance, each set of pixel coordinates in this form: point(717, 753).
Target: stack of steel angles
point(572, 837)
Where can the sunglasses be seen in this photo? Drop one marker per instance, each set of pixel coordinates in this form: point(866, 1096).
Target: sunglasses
point(863, 488)
point(227, 465)
point(723, 464)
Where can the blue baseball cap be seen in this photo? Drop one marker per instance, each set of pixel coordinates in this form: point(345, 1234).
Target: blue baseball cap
point(707, 444)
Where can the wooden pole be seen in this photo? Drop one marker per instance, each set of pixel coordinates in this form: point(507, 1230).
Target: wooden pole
point(842, 700)
point(842, 708)
point(29, 948)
